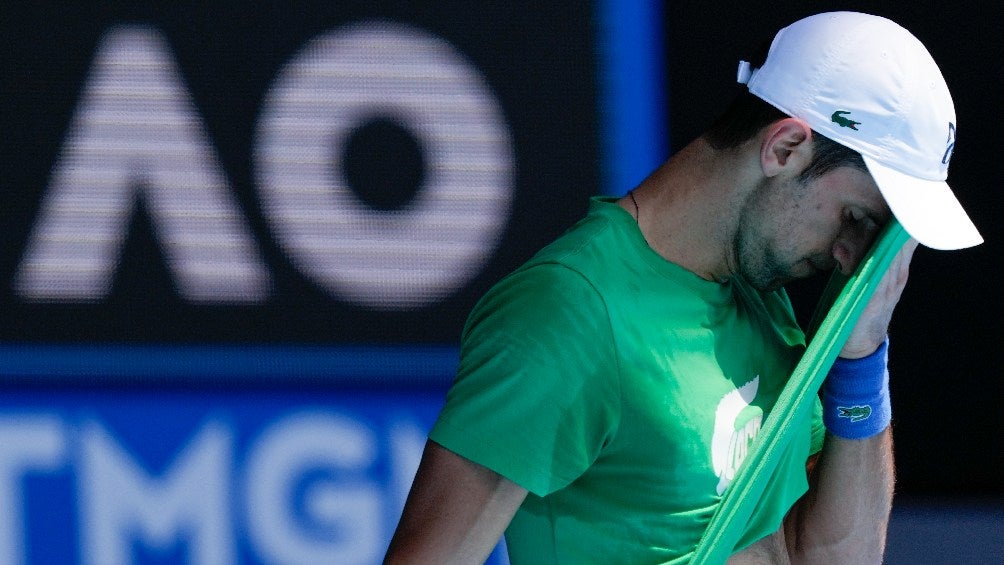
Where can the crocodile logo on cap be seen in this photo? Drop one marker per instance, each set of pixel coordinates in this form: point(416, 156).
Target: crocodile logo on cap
point(839, 119)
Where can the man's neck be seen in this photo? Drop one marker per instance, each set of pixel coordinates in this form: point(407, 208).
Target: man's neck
point(688, 208)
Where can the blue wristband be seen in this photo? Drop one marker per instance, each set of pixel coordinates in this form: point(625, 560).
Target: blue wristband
point(855, 395)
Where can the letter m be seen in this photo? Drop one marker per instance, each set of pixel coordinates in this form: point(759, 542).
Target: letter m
point(190, 502)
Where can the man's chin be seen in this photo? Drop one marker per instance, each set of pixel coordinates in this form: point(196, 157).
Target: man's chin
point(803, 270)
point(781, 277)
point(772, 285)
point(780, 281)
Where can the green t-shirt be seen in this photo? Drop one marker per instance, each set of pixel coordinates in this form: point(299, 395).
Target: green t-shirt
point(622, 391)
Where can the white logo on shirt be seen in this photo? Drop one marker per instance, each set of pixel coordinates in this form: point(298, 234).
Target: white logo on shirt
point(734, 434)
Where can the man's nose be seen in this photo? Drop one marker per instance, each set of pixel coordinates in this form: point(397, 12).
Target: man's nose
point(851, 245)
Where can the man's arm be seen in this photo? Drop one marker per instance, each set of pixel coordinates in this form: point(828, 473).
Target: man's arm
point(844, 516)
point(456, 511)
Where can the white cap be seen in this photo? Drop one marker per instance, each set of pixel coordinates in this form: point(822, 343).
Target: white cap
point(867, 83)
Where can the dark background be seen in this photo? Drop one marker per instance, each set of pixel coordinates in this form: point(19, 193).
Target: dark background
point(946, 356)
point(537, 61)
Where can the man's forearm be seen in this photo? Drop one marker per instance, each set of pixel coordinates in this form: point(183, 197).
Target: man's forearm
point(844, 516)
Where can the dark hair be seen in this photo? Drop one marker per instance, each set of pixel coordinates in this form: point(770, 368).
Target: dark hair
point(748, 114)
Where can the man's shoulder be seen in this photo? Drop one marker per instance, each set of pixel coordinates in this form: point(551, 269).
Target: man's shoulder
point(589, 243)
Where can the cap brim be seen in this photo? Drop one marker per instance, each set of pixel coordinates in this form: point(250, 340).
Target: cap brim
point(928, 210)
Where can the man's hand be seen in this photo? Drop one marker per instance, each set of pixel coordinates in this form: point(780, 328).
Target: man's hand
point(873, 325)
point(844, 516)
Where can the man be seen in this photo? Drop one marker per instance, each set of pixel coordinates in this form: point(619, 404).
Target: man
point(609, 389)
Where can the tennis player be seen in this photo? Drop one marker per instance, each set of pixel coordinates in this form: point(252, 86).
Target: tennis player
point(609, 389)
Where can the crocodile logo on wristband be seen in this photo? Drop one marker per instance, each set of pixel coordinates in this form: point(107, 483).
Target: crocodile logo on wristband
point(854, 413)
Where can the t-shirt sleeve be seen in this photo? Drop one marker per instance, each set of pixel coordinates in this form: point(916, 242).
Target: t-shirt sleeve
point(537, 391)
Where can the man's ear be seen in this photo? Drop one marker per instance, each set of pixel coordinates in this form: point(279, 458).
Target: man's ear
point(786, 147)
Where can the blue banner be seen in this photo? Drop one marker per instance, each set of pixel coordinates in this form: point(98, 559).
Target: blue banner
point(255, 475)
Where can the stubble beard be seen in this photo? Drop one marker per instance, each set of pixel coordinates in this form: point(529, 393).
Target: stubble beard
point(755, 257)
point(759, 264)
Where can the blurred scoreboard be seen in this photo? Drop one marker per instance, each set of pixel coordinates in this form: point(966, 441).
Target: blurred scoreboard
point(240, 243)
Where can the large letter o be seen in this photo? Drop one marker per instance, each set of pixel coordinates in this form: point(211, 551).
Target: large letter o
point(397, 259)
